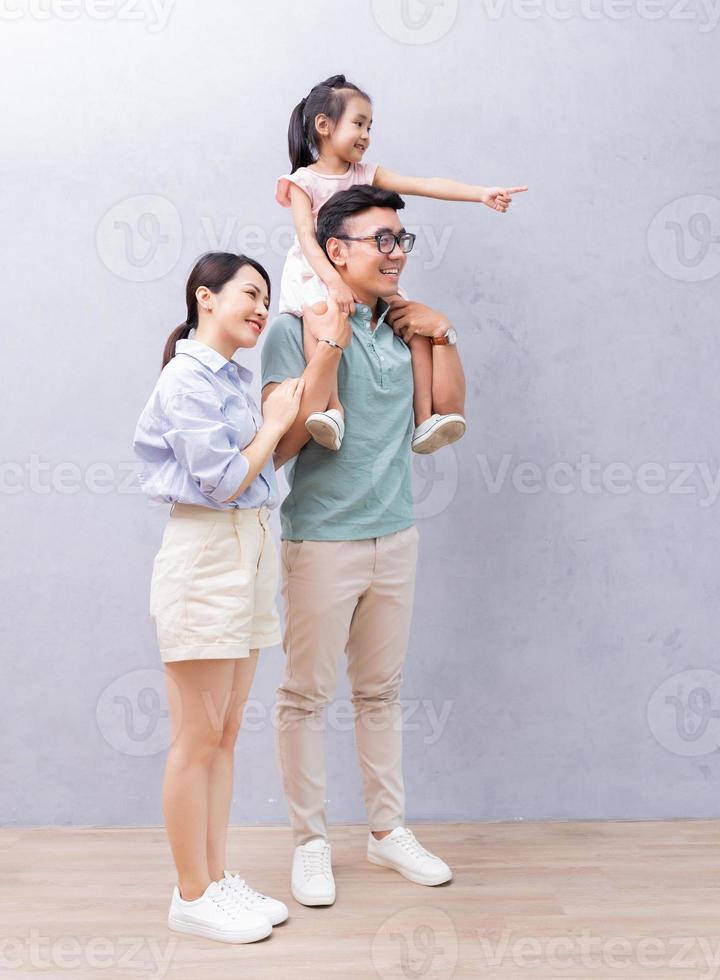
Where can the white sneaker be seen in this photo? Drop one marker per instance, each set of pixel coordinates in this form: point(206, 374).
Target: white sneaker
point(217, 914)
point(327, 428)
point(402, 852)
point(253, 901)
point(312, 877)
point(438, 431)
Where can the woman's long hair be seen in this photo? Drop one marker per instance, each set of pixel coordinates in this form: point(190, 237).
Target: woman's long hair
point(327, 98)
point(213, 270)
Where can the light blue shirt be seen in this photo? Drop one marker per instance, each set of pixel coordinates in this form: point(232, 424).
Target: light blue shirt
point(190, 436)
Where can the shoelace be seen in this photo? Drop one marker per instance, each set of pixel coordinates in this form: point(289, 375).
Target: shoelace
point(316, 862)
point(229, 902)
point(411, 844)
point(244, 892)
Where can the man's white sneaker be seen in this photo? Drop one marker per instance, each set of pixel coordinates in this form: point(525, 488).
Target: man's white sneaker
point(402, 852)
point(327, 428)
point(312, 877)
point(253, 901)
point(217, 914)
point(438, 431)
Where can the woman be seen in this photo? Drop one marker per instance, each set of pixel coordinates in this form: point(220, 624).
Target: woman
point(205, 448)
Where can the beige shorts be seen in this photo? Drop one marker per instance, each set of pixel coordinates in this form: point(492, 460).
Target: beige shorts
point(214, 584)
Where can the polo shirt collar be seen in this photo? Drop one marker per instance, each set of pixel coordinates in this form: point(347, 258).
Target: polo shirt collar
point(363, 313)
point(210, 357)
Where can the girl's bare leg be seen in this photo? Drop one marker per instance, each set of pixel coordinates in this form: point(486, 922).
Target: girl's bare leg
point(309, 348)
point(421, 352)
point(198, 694)
point(221, 772)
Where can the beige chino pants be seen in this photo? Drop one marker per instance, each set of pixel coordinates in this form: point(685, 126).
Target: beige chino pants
point(354, 597)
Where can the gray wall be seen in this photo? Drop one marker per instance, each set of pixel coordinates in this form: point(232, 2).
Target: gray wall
point(563, 660)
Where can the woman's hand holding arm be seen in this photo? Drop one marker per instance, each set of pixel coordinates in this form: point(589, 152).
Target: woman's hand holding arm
point(279, 411)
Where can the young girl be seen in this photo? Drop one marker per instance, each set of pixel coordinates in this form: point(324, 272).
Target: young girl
point(328, 136)
point(204, 447)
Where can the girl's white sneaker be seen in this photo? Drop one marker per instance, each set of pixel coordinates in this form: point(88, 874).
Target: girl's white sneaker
point(217, 914)
point(438, 431)
point(326, 428)
point(273, 910)
point(403, 852)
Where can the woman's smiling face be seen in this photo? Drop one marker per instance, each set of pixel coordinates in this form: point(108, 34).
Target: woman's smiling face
point(241, 307)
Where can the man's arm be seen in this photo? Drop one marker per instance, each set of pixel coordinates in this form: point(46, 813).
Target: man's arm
point(448, 384)
point(282, 356)
point(319, 377)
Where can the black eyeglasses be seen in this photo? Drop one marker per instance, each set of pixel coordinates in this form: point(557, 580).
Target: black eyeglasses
point(385, 241)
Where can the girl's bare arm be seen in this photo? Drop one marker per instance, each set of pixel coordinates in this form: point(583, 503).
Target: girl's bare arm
point(305, 229)
point(497, 198)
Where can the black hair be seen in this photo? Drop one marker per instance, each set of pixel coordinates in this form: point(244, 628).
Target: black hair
point(214, 270)
point(327, 98)
point(333, 214)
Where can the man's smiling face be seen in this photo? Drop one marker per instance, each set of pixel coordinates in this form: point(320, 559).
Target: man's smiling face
point(368, 272)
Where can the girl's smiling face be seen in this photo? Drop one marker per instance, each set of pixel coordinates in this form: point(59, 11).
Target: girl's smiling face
point(351, 136)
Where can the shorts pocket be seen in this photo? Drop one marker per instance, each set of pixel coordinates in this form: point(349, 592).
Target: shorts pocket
point(183, 543)
point(219, 586)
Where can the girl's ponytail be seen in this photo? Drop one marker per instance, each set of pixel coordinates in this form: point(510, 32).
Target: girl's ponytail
point(298, 145)
point(327, 98)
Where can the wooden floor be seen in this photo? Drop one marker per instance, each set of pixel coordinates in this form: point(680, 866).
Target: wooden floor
point(569, 900)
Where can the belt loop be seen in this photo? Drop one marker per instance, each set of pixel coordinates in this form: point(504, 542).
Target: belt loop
point(172, 507)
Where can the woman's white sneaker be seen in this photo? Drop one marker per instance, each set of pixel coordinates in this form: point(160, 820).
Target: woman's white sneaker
point(217, 914)
point(312, 878)
point(438, 431)
point(253, 901)
point(326, 428)
point(402, 851)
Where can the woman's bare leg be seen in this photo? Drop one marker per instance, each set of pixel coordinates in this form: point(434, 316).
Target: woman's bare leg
point(421, 351)
point(221, 772)
point(198, 694)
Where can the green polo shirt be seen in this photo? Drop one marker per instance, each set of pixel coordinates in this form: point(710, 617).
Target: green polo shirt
point(364, 489)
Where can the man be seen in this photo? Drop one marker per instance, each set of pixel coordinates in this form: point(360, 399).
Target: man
point(349, 541)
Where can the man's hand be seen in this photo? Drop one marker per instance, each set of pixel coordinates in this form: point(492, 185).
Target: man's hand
point(330, 325)
point(407, 318)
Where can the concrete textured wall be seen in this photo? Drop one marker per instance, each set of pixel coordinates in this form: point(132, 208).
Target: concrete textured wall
point(563, 659)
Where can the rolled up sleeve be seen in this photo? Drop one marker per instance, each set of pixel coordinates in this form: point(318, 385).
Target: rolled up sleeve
point(205, 443)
